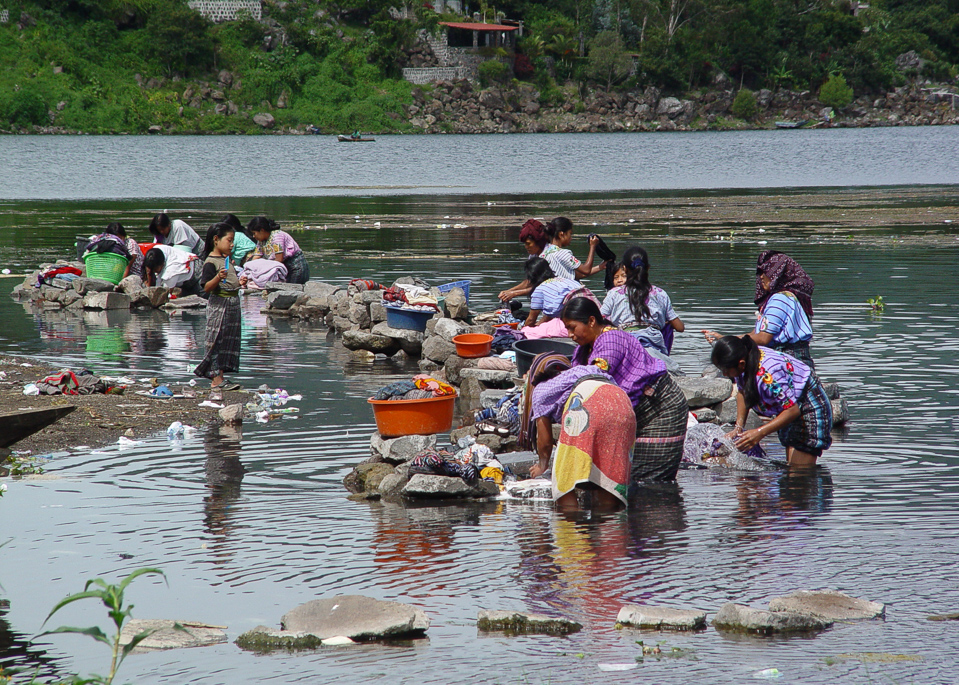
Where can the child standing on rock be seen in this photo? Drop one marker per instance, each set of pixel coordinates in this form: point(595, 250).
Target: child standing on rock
point(219, 279)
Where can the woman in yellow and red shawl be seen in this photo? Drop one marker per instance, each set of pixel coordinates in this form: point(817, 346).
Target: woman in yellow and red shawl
point(598, 428)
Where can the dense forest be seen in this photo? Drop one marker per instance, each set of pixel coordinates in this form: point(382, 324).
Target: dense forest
point(128, 65)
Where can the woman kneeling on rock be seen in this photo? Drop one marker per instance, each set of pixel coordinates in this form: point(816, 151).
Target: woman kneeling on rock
point(597, 430)
point(782, 388)
point(658, 403)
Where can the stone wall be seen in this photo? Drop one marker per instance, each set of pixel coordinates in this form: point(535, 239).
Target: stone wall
point(226, 10)
point(432, 74)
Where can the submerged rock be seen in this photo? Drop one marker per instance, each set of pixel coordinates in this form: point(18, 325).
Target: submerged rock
point(521, 623)
point(356, 617)
point(423, 486)
point(741, 618)
point(661, 618)
point(829, 605)
point(168, 634)
point(106, 300)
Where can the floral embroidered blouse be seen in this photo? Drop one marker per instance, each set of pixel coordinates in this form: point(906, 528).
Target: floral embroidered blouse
point(780, 379)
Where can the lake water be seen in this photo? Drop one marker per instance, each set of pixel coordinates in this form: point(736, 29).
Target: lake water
point(247, 527)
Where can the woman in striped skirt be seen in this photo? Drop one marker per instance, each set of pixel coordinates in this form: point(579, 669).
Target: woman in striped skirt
point(658, 403)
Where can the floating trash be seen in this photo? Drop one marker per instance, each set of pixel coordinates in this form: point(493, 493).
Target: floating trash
point(618, 667)
point(768, 673)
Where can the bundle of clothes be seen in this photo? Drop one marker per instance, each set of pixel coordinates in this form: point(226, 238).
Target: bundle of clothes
point(107, 243)
point(707, 445)
point(66, 274)
point(503, 417)
point(420, 387)
point(469, 461)
point(83, 382)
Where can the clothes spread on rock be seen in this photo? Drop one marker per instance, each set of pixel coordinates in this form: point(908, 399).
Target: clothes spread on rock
point(504, 413)
point(432, 463)
point(65, 273)
point(82, 382)
point(363, 285)
point(649, 332)
point(259, 272)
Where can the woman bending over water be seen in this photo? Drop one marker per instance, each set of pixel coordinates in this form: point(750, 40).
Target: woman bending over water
point(272, 243)
point(533, 237)
point(779, 387)
point(784, 297)
point(175, 233)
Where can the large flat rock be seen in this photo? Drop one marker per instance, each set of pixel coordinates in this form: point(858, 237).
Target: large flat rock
point(166, 634)
point(106, 300)
point(741, 618)
point(424, 486)
point(661, 618)
point(356, 617)
point(399, 450)
point(522, 623)
point(411, 342)
point(377, 344)
point(829, 605)
point(704, 392)
point(489, 376)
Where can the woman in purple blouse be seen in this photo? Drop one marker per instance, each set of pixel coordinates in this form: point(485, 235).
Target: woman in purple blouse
point(782, 388)
point(659, 404)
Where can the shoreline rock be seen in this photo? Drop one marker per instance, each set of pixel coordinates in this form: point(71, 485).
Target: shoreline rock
point(522, 623)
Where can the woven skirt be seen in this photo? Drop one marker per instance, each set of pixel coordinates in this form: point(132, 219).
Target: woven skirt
point(297, 270)
point(660, 432)
point(811, 431)
point(222, 337)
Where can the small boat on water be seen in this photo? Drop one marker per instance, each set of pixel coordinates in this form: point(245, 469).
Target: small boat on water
point(351, 139)
point(22, 424)
point(791, 124)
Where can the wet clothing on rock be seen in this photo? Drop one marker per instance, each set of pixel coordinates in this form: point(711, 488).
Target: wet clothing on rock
point(432, 463)
point(66, 382)
point(259, 272)
point(504, 413)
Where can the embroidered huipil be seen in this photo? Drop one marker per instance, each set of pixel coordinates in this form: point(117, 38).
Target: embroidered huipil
point(780, 380)
point(623, 357)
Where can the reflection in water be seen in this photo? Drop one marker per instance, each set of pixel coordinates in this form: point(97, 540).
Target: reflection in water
point(17, 651)
point(224, 473)
point(770, 504)
point(593, 564)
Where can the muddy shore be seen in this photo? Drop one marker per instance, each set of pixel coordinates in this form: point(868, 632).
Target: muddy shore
point(99, 419)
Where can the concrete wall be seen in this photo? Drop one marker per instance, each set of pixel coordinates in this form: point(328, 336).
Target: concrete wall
point(433, 74)
point(225, 10)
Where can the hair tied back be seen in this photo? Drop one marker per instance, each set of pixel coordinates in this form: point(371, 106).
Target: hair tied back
point(637, 263)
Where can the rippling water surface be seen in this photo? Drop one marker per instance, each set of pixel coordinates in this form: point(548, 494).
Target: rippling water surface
point(248, 525)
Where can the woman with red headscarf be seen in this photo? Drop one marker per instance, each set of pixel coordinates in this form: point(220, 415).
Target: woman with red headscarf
point(784, 297)
point(534, 239)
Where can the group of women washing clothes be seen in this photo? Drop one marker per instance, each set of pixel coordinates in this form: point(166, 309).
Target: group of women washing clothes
point(229, 258)
point(622, 416)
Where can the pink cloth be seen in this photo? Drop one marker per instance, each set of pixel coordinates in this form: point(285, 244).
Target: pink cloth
point(554, 328)
point(263, 271)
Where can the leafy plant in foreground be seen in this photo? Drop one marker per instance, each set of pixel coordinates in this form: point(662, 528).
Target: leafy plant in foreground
point(112, 598)
point(876, 304)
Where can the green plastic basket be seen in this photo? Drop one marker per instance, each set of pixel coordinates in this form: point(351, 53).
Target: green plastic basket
point(107, 266)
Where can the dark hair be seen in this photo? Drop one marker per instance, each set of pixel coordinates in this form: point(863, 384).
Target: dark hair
point(535, 231)
point(159, 221)
point(729, 351)
point(581, 308)
point(547, 374)
point(116, 228)
point(262, 223)
point(638, 286)
point(215, 231)
point(234, 222)
point(558, 225)
point(154, 259)
point(537, 271)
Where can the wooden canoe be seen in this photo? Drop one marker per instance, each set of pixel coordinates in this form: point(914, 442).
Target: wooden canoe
point(16, 426)
point(348, 139)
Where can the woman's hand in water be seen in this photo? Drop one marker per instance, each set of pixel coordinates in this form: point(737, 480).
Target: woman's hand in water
point(711, 336)
point(537, 470)
point(748, 439)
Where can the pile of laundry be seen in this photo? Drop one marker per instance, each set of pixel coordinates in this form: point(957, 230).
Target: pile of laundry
point(503, 417)
point(410, 296)
point(707, 446)
point(65, 274)
point(470, 461)
point(66, 382)
point(421, 387)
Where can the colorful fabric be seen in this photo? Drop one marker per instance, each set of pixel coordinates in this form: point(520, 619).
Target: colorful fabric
point(799, 350)
point(550, 295)
point(561, 261)
point(661, 420)
point(811, 431)
point(242, 246)
point(136, 261)
point(784, 319)
point(414, 395)
point(780, 380)
point(617, 309)
point(550, 397)
point(222, 338)
point(598, 429)
point(438, 388)
point(107, 243)
point(431, 463)
point(784, 273)
point(394, 389)
point(363, 285)
point(527, 430)
point(263, 271)
point(554, 328)
point(279, 242)
point(505, 412)
point(623, 357)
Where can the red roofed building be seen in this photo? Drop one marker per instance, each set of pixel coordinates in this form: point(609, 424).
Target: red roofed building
point(462, 46)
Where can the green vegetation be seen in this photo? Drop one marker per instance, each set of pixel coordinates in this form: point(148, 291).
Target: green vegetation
point(835, 92)
point(493, 72)
point(744, 105)
point(104, 66)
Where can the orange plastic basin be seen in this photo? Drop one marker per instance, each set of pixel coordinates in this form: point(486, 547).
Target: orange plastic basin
point(470, 345)
point(395, 418)
point(513, 325)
